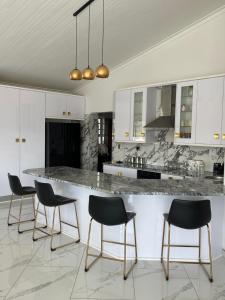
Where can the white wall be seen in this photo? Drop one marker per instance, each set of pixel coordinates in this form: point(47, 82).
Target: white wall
point(196, 52)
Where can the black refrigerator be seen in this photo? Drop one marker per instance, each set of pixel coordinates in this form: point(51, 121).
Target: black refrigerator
point(62, 144)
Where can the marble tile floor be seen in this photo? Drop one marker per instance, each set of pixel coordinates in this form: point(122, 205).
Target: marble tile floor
point(30, 271)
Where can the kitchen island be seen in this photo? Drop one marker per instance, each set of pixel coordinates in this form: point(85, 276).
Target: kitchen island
point(148, 198)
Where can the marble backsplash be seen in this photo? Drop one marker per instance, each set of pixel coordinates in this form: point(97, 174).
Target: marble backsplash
point(163, 151)
point(89, 142)
point(158, 153)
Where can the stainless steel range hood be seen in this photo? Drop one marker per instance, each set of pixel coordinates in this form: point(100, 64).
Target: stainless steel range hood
point(162, 122)
point(165, 109)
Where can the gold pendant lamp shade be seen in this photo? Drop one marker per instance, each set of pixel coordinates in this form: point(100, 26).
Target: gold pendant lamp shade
point(88, 73)
point(102, 71)
point(76, 74)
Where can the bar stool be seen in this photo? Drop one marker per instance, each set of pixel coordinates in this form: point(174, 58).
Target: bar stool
point(48, 198)
point(110, 211)
point(18, 190)
point(188, 215)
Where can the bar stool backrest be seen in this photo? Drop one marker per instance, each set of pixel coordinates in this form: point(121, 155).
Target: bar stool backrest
point(190, 214)
point(15, 185)
point(45, 193)
point(107, 210)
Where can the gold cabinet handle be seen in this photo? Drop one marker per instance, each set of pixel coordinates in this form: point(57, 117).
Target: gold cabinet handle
point(223, 137)
point(126, 134)
point(23, 140)
point(69, 113)
point(64, 113)
point(142, 134)
point(177, 135)
point(17, 140)
point(216, 136)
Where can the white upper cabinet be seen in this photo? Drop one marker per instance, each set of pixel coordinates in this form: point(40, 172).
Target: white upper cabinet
point(76, 107)
point(9, 133)
point(134, 108)
point(209, 111)
point(65, 106)
point(56, 105)
point(122, 115)
point(32, 132)
point(223, 118)
point(185, 120)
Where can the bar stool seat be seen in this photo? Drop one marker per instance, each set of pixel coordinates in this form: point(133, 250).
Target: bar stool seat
point(48, 198)
point(28, 190)
point(189, 215)
point(110, 211)
point(61, 200)
point(130, 215)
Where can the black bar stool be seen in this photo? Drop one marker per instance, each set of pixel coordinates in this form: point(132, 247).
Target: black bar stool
point(47, 198)
point(188, 215)
point(18, 190)
point(110, 211)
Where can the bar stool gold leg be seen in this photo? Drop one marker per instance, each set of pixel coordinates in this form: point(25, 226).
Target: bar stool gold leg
point(53, 222)
point(163, 238)
point(10, 206)
point(101, 239)
point(78, 226)
point(210, 253)
point(135, 239)
point(125, 252)
point(168, 254)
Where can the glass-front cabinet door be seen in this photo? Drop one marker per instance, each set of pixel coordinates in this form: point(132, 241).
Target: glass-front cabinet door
point(185, 113)
point(138, 115)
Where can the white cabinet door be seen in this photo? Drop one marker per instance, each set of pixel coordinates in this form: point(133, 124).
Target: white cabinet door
point(56, 105)
point(76, 107)
point(223, 120)
point(185, 116)
point(138, 114)
point(122, 115)
point(209, 111)
point(9, 132)
point(32, 132)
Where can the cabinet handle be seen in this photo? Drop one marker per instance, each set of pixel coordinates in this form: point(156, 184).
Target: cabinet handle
point(17, 140)
point(177, 135)
point(216, 136)
point(142, 134)
point(126, 134)
point(64, 113)
point(23, 140)
point(223, 137)
point(69, 113)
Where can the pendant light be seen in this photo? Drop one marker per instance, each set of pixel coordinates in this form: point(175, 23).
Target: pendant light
point(88, 73)
point(76, 74)
point(102, 71)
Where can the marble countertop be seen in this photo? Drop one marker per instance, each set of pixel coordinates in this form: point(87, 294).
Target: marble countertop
point(160, 169)
point(128, 186)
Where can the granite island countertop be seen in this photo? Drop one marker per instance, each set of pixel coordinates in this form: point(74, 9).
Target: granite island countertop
point(129, 186)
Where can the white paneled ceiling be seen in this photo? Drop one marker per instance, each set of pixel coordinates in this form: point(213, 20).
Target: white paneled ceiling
point(37, 37)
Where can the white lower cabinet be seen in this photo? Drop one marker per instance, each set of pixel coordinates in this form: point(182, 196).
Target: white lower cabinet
point(120, 171)
point(22, 131)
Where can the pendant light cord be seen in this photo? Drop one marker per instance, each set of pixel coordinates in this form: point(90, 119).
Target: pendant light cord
point(76, 44)
point(89, 29)
point(103, 30)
